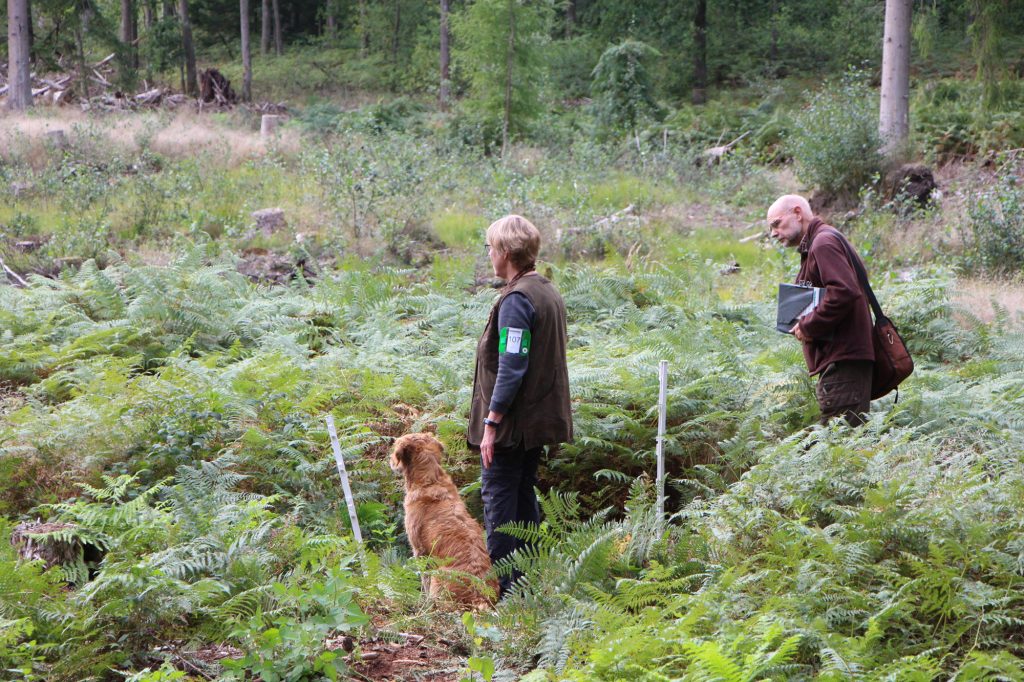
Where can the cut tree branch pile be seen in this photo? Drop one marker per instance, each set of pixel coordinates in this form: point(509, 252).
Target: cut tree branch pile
point(100, 78)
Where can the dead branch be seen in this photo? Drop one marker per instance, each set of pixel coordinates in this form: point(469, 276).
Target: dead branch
point(12, 274)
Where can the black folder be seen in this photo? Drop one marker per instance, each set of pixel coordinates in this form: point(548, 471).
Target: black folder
point(795, 301)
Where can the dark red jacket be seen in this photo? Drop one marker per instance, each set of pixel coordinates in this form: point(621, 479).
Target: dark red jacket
point(840, 327)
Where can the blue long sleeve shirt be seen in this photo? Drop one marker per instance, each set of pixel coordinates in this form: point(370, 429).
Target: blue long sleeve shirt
point(515, 324)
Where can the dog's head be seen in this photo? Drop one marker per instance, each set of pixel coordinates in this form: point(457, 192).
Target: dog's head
point(417, 454)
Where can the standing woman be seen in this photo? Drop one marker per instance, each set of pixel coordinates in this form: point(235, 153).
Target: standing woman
point(521, 384)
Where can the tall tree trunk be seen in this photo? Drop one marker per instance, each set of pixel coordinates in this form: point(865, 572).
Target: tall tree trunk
point(444, 93)
point(148, 13)
point(168, 8)
point(128, 32)
point(364, 35)
point(700, 53)
point(135, 38)
point(31, 33)
point(278, 39)
point(191, 84)
point(509, 57)
point(246, 51)
point(265, 28)
point(80, 31)
point(19, 70)
point(570, 17)
point(894, 113)
point(397, 31)
point(331, 21)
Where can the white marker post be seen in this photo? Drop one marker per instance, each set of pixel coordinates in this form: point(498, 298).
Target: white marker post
point(662, 403)
point(344, 478)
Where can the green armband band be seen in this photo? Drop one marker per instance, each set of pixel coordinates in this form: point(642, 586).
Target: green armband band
point(514, 341)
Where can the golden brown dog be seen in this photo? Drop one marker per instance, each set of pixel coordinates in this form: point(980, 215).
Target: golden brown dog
point(438, 523)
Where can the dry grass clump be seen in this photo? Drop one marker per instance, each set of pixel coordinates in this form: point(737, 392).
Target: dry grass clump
point(981, 295)
point(227, 139)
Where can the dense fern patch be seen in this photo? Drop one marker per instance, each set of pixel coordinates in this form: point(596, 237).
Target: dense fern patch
point(168, 422)
point(173, 418)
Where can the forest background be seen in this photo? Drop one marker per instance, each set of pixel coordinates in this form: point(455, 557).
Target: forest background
point(169, 349)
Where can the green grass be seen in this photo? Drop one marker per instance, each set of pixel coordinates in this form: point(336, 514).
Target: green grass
point(608, 194)
point(459, 228)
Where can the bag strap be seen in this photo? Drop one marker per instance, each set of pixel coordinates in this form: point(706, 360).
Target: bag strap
point(862, 275)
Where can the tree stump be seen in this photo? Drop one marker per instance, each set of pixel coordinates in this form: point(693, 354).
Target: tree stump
point(214, 87)
point(57, 138)
point(51, 551)
point(269, 123)
point(270, 220)
point(912, 181)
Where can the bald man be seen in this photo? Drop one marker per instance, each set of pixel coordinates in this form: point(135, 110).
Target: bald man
point(836, 335)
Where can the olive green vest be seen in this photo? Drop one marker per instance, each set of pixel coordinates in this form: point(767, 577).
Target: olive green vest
point(541, 413)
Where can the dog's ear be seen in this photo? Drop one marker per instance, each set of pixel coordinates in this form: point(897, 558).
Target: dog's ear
point(403, 450)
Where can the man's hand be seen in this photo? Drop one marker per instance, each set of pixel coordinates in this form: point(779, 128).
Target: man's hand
point(800, 336)
point(487, 446)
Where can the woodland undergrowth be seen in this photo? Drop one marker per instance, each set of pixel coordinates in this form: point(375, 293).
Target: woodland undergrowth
point(166, 416)
point(172, 417)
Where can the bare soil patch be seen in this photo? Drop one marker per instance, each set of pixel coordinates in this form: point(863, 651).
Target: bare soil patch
point(10, 398)
point(414, 659)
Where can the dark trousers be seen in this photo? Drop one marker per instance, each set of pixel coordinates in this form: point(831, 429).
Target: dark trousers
point(844, 390)
point(507, 488)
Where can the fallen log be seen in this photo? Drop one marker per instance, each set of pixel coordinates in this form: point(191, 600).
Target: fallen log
point(603, 226)
point(56, 85)
point(149, 97)
point(715, 154)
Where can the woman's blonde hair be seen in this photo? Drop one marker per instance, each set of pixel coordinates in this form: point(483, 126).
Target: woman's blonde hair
point(516, 237)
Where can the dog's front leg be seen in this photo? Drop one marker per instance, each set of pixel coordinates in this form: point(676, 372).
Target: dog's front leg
point(424, 576)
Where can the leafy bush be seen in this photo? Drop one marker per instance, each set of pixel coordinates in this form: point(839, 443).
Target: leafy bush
point(994, 239)
point(288, 645)
point(834, 139)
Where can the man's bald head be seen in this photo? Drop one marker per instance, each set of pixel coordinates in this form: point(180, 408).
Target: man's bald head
point(788, 219)
point(787, 202)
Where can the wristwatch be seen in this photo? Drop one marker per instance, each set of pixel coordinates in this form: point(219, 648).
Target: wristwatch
point(491, 422)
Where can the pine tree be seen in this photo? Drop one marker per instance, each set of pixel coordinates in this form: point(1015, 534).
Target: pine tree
point(497, 44)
